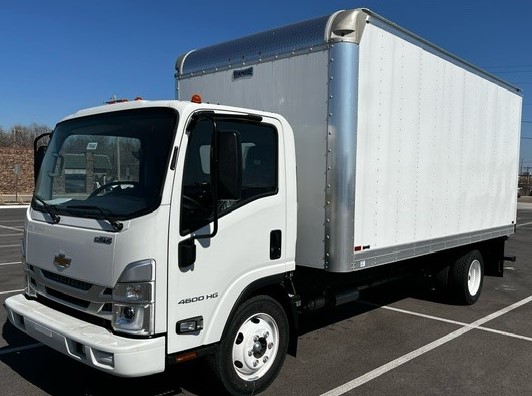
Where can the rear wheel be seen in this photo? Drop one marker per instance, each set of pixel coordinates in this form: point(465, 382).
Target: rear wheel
point(254, 348)
point(466, 277)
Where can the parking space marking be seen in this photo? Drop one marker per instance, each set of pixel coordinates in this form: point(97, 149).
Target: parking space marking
point(524, 224)
point(11, 291)
point(420, 351)
point(11, 263)
point(20, 229)
point(11, 235)
point(505, 333)
point(9, 246)
point(19, 349)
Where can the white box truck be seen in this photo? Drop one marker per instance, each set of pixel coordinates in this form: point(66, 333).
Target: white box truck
point(343, 151)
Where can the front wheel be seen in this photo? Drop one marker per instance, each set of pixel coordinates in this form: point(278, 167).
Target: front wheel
point(254, 348)
point(466, 277)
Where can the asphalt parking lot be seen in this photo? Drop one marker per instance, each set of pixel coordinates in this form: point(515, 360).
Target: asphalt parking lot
point(396, 340)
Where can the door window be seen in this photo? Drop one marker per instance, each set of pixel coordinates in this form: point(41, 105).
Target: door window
point(259, 173)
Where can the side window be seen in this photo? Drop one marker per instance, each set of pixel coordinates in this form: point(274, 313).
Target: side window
point(196, 199)
point(259, 162)
point(259, 170)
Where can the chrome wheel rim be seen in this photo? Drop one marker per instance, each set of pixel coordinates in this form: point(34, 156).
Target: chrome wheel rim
point(473, 277)
point(255, 347)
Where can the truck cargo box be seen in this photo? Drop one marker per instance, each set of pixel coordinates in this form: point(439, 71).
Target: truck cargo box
point(402, 148)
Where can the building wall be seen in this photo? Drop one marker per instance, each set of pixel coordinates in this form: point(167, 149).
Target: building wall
point(9, 157)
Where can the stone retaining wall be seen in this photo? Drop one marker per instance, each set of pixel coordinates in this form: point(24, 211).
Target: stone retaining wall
point(9, 157)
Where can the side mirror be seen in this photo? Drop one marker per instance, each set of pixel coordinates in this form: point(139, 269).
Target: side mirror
point(38, 155)
point(229, 165)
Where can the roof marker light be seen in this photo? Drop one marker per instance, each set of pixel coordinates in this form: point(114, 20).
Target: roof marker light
point(195, 98)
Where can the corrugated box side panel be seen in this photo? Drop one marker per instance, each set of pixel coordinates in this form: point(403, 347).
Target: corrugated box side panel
point(295, 87)
point(437, 148)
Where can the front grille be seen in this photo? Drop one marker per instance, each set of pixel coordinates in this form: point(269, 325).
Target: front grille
point(67, 281)
point(83, 297)
point(69, 299)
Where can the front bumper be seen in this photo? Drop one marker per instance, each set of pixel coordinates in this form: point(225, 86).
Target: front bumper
point(92, 345)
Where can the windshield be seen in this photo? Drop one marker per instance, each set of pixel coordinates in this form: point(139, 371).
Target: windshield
point(108, 166)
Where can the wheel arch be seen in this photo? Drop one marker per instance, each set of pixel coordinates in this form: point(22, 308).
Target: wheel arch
point(277, 287)
point(492, 254)
point(492, 251)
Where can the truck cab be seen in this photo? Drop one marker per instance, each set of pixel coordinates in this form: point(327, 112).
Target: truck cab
point(151, 224)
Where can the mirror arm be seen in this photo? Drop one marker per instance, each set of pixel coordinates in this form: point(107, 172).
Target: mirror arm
point(187, 248)
point(36, 140)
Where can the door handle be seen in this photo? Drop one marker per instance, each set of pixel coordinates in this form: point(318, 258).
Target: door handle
point(275, 244)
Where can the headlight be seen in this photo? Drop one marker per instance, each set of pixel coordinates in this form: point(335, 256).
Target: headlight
point(133, 292)
point(133, 302)
point(134, 319)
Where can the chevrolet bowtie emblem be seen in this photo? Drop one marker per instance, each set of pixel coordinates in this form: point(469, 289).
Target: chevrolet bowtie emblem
point(62, 260)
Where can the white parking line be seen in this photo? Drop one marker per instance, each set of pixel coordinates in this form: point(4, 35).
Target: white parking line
point(9, 246)
point(11, 263)
point(21, 229)
point(11, 291)
point(505, 333)
point(420, 351)
point(11, 235)
point(524, 224)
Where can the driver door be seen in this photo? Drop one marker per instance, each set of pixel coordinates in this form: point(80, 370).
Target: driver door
point(242, 251)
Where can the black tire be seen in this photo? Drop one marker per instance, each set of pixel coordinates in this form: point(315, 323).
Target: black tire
point(441, 278)
point(466, 278)
point(253, 350)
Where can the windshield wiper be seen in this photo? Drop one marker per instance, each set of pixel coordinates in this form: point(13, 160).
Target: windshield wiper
point(117, 226)
point(55, 217)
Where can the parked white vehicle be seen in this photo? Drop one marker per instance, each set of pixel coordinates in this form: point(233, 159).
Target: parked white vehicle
point(347, 152)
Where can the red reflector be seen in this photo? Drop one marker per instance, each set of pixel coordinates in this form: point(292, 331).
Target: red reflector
point(186, 357)
point(358, 248)
point(196, 98)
